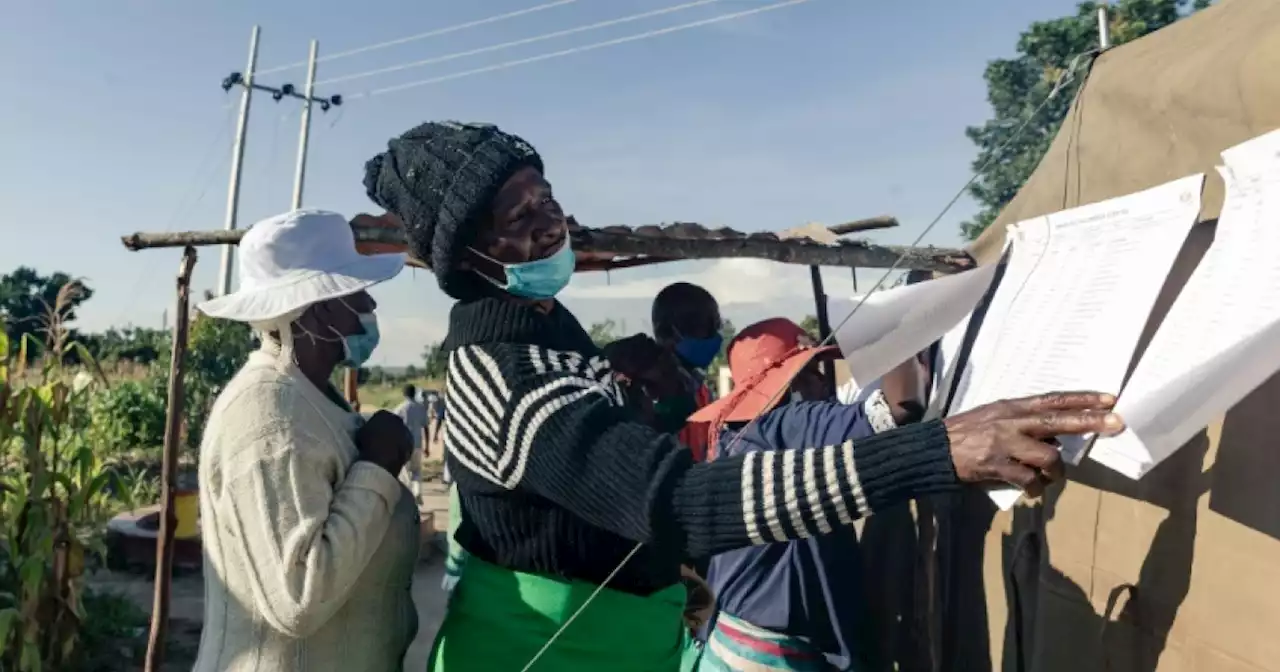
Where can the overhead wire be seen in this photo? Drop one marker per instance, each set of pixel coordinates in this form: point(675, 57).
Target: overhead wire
point(580, 49)
point(421, 36)
point(201, 179)
point(435, 60)
point(1063, 79)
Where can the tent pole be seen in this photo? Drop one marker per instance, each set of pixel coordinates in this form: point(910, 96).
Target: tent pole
point(1104, 28)
point(824, 323)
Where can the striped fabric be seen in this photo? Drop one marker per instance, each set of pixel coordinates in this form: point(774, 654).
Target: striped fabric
point(506, 399)
point(492, 428)
point(737, 646)
point(785, 495)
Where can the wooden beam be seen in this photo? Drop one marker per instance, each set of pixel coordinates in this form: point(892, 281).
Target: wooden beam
point(169, 469)
point(869, 224)
point(847, 254)
point(654, 243)
point(351, 388)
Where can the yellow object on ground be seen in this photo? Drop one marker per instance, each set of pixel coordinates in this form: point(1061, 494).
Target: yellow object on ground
point(186, 508)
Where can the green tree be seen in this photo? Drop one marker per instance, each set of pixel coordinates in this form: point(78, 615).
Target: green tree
point(1016, 86)
point(26, 297)
point(603, 333)
point(216, 351)
point(136, 344)
point(810, 325)
point(435, 361)
point(727, 332)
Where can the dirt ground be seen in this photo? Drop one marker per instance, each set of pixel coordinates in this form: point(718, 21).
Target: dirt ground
point(187, 601)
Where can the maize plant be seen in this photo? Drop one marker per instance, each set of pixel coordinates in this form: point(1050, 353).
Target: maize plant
point(55, 497)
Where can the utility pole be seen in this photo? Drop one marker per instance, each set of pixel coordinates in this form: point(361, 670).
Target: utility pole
point(305, 134)
point(246, 81)
point(237, 158)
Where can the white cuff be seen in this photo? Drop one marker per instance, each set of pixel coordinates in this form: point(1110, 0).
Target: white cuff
point(879, 415)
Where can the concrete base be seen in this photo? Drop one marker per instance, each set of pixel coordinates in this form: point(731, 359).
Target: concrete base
point(131, 543)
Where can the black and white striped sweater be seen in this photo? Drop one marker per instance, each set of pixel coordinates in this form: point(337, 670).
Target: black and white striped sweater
point(556, 477)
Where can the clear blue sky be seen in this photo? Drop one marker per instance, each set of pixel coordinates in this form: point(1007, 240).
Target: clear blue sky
point(826, 111)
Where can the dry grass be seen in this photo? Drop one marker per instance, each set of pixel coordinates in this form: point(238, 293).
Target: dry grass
point(388, 396)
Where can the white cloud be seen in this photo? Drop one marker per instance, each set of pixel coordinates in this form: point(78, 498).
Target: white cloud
point(731, 281)
point(404, 338)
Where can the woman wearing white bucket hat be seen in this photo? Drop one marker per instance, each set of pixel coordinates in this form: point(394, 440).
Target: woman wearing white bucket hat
point(309, 537)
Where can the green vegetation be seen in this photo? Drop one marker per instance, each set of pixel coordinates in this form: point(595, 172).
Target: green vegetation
point(56, 493)
point(1016, 86)
point(82, 419)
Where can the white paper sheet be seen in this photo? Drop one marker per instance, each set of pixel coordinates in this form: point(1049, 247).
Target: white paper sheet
point(1221, 338)
point(1075, 296)
point(894, 325)
point(939, 380)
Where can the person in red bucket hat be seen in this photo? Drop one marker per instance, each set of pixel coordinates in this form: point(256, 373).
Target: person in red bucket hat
point(775, 359)
point(796, 605)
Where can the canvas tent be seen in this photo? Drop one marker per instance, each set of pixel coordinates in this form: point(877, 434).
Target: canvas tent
point(1179, 571)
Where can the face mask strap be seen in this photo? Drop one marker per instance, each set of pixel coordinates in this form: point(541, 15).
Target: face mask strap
point(485, 276)
point(314, 336)
point(358, 314)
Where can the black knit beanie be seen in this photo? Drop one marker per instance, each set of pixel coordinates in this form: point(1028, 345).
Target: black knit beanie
point(440, 179)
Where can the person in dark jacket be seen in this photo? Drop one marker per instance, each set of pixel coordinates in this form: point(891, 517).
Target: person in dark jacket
point(796, 605)
point(686, 323)
point(569, 505)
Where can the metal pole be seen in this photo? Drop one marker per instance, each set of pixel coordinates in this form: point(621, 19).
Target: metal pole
point(305, 133)
point(237, 161)
point(824, 322)
point(1104, 28)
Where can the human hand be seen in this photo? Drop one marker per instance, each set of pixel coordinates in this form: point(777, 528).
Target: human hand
point(633, 355)
point(1012, 441)
point(640, 360)
point(385, 441)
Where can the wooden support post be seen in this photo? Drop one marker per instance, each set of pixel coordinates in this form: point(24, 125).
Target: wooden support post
point(824, 321)
point(169, 468)
point(351, 388)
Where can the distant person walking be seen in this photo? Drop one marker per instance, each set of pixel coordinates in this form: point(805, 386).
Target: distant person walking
point(435, 411)
point(415, 418)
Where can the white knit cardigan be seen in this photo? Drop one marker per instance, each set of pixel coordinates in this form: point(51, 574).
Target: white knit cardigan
point(309, 554)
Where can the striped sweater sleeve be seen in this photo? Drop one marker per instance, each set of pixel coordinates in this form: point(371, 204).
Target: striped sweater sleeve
point(555, 424)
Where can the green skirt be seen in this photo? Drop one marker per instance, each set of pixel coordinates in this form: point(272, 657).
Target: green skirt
point(498, 620)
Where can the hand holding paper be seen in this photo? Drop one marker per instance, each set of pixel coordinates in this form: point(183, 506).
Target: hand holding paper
point(1005, 441)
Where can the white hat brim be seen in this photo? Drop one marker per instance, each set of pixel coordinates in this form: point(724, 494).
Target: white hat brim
point(297, 291)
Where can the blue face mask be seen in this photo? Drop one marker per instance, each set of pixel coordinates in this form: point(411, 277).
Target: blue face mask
point(357, 348)
point(699, 351)
point(537, 279)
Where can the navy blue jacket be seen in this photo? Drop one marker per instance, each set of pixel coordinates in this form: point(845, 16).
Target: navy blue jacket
point(810, 588)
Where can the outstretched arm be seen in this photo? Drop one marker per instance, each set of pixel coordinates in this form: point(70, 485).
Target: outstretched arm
point(555, 424)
